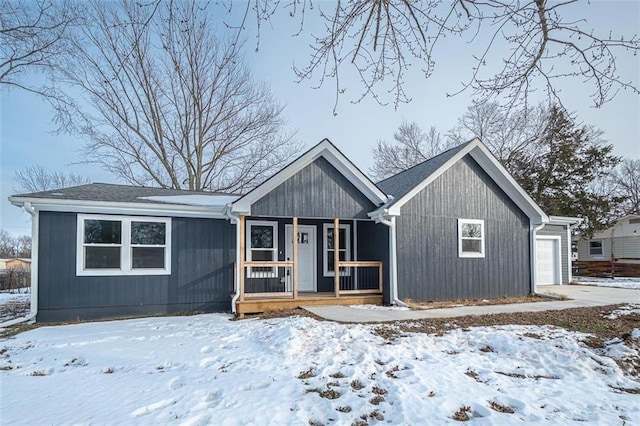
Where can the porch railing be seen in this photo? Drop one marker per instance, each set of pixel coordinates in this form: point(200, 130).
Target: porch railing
point(275, 279)
point(360, 277)
point(268, 279)
point(272, 279)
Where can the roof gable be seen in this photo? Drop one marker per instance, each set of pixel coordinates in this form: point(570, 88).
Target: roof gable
point(409, 183)
point(402, 183)
point(333, 156)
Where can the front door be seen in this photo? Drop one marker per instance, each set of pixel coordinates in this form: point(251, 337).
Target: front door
point(307, 260)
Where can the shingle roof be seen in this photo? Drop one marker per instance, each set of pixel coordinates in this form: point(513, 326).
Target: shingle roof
point(400, 184)
point(112, 192)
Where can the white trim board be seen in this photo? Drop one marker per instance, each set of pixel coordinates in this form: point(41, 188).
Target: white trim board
point(120, 208)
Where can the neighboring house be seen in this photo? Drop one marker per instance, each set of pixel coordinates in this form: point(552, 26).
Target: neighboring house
point(455, 226)
point(17, 264)
point(623, 239)
point(14, 273)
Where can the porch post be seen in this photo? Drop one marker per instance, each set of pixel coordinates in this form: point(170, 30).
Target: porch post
point(336, 256)
point(295, 258)
point(241, 224)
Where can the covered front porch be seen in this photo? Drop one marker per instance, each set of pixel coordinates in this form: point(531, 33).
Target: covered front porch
point(286, 263)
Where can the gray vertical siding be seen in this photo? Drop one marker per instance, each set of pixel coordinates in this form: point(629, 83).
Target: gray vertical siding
point(373, 244)
point(560, 231)
point(201, 277)
point(427, 238)
point(316, 191)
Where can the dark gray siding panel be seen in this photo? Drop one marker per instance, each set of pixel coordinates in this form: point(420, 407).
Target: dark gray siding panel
point(373, 244)
point(560, 231)
point(316, 191)
point(427, 236)
point(201, 274)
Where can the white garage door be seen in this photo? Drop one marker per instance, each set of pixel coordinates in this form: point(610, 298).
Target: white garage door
point(547, 269)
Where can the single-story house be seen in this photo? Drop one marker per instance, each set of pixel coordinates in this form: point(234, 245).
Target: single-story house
point(455, 226)
point(622, 239)
point(16, 263)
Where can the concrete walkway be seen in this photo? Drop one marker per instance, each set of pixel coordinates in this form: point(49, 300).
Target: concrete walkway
point(580, 297)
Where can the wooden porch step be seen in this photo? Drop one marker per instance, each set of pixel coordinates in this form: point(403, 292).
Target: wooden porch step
point(254, 306)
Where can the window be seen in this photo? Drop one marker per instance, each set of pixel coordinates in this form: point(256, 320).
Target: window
point(595, 248)
point(117, 245)
point(470, 238)
point(329, 249)
point(262, 246)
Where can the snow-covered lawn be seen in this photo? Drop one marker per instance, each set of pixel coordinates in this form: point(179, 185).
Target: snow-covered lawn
point(206, 369)
point(14, 304)
point(621, 282)
point(7, 297)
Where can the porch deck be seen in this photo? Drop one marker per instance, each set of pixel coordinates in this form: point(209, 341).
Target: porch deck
point(275, 303)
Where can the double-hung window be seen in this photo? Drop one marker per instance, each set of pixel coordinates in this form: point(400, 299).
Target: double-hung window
point(595, 248)
point(123, 245)
point(262, 246)
point(470, 238)
point(329, 248)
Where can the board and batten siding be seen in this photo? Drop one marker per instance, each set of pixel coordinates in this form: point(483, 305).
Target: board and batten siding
point(316, 191)
point(373, 244)
point(202, 257)
point(559, 231)
point(429, 268)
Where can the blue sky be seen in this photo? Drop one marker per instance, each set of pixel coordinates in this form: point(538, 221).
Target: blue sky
point(27, 133)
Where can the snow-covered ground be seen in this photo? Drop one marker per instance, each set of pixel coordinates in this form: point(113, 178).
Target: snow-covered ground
point(14, 304)
point(380, 308)
point(8, 297)
point(621, 282)
point(205, 369)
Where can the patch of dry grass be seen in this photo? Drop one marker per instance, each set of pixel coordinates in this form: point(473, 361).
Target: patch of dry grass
point(475, 302)
point(500, 408)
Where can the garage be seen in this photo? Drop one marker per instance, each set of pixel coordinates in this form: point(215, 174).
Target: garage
point(548, 261)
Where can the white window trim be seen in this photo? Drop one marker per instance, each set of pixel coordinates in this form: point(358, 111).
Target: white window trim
point(601, 254)
point(249, 251)
point(325, 264)
point(126, 248)
point(482, 238)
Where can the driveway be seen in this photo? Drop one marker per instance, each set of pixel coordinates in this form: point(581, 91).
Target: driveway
point(580, 297)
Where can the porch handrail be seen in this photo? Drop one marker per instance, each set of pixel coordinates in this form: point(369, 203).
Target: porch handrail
point(266, 263)
point(362, 264)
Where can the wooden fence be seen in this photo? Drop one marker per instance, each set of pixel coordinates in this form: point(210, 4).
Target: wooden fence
point(603, 269)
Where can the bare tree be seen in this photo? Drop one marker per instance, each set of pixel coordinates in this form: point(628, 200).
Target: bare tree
point(510, 134)
point(6, 244)
point(36, 178)
point(522, 45)
point(625, 180)
point(172, 103)
point(33, 37)
point(11, 246)
point(410, 146)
